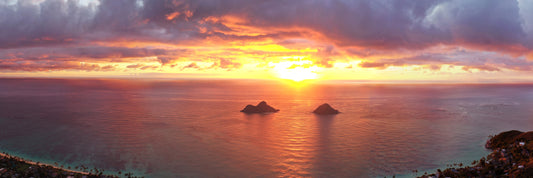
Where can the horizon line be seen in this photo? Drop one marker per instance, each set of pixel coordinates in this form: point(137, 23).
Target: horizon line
point(315, 81)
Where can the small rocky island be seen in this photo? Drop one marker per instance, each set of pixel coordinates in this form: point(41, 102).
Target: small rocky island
point(325, 109)
point(262, 107)
point(511, 157)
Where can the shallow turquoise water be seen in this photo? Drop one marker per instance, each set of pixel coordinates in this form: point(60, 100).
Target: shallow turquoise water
point(187, 128)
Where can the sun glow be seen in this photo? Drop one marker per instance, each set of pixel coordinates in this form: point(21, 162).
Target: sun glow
point(296, 70)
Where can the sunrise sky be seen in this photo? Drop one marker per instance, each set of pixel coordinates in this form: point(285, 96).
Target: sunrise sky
point(363, 40)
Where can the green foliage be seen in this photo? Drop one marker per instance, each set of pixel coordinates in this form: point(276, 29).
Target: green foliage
point(17, 167)
point(508, 159)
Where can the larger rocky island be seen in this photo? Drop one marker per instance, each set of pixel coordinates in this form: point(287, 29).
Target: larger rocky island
point(262, 107)
point(511, 157)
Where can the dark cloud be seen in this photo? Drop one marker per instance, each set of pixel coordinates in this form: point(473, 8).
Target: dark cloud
point(377, 24)
point(52, 66)
point(166, 60)
point(490, 24)
point(149, 67)
point(143, 67)
point(134, 66)
point(192, 65)
point(66, 31)
point(92, 53)
point(48, 23)
point(377, 65)
point(481, 60)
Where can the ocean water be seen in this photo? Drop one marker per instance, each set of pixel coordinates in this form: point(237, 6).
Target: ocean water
point(193, 128)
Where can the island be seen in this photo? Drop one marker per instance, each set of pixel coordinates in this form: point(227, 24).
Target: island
point(511, 157)
point(262, 107)
point(325, 109)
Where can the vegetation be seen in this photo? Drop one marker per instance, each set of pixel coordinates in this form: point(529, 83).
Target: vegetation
point(11, 166)
point(511, 157)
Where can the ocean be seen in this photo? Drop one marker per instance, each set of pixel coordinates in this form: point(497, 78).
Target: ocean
point(193, 128)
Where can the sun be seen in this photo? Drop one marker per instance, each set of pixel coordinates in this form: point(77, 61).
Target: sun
point(297, 74)
point(296, 70)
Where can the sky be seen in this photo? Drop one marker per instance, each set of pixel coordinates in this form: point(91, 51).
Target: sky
point(360, 40)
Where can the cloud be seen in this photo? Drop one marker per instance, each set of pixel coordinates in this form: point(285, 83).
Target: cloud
point(134, 66)
point(377, 65)
point(492, 24)
point(149, 67)
point(379, 24)
point(324, 56)
point(481, 68)
point(31, 66)
point(470, 59)
point(143, 67)
point(222, 63)
point(50, 22)
point(192, 65)
point(93, 54)
point(492, 35)
point(434, 67)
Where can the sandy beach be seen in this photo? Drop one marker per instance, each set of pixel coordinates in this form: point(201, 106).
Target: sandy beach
point(42, 164)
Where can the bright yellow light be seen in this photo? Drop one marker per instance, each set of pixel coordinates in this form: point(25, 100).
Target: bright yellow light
point(296, 70)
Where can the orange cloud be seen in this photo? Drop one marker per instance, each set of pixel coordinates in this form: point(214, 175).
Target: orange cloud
point(172, 15)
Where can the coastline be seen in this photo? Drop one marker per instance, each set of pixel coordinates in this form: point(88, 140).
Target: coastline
point(4, 155)
point(14, 166)
point(511, 156)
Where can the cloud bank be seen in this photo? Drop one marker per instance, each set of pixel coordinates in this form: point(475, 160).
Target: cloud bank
point(49, 35)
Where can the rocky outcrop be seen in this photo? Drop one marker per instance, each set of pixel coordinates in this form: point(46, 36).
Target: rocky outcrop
point(325, 109)
point(262, 107)
point(511, 157)
point(507, 138)
point(251, 109)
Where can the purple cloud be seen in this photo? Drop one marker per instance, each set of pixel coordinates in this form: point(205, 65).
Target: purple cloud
point(494, 33)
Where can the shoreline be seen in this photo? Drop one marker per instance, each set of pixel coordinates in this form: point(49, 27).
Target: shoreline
point(5, 155)
point(15, 166)
point(511, 156)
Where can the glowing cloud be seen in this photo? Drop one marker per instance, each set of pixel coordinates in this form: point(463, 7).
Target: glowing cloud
point(360, 40)
point(296, 70)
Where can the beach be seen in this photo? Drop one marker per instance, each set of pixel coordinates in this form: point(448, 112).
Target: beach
point(20, 167)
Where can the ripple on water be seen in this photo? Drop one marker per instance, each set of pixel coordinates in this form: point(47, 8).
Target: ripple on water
point(194, 129)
